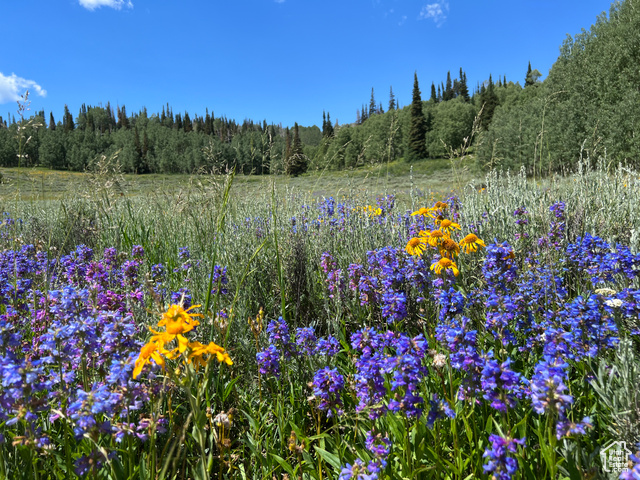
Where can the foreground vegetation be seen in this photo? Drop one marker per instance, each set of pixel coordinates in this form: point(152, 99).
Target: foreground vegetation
point(203, 333)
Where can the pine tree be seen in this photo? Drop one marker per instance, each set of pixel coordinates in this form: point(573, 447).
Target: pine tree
point(287, 146)
point(330, 129)
point(489, 100)
point(418, 127)
point(138, 166)
point(297, 163)
point(207, 124)
point(67, 122)
point(186, 123)
point(392, 100)
point(448, 89)
point(372, 104)
point(145, 145)
point(528, 80)
point(364, 114)
point(124, 120)
point(324, 124)
point(434, 97)
point(464, 89)
point(52, 122)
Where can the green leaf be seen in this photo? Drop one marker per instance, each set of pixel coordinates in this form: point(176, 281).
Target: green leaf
point(284, 464)
point(331, 458)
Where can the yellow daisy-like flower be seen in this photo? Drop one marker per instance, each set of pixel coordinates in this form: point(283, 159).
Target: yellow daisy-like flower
point(471, 243)
point(439, 207)
point(436, 237)
point(374, 212)
point(150, 351)
point(198, 350)
point(177, 320)
point(445, 264)
point(424, 233)
point(425, 212)
point(449, 248)
point(448, 226)
point(416, 246)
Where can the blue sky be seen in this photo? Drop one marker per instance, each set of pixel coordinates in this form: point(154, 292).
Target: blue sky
point(283, 61)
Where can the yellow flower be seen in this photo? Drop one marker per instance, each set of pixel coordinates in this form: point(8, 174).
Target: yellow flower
point(447, 226)
point(198, 350)
point(425, 212)
point(435, 238)
point(416, 246)
point(470, 243)
point(148, 352)
point(375, 212)
point(449, 248)
point(177, 320)
point(445, 264)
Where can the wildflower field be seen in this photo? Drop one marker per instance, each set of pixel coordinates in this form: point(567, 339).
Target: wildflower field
point(198, 333)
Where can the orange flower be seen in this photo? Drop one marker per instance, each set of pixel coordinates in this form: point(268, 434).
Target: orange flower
point(425, 212)
point(435, 238)
point(471, 243)
point(149, 351)
point(445, 264)
point(177, 320)
point(416, 246)
point(198, 350)
point(449, 248)
point(447, 226)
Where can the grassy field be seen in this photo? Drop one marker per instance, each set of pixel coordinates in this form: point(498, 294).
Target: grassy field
point(325, 349)
point(436, 176)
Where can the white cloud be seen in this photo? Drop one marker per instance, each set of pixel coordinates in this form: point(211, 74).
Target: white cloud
point(436, 11)
point(12, 87)
point(117, 4)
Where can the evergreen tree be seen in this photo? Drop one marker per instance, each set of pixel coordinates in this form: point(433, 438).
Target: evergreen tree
point(324, 124)
point(463, 88)
point(145, 145)
point(448, 89)
point(372, 104)
point(207, 124)
point(297, 162)
point(330, 129)
point(434, 97)
point(67, 122)
point(489, 100)
point(392, 100)
point(124, 120)
point(528, 79)
point(287, 146)
point(418, 126)
point(364, 115)
point(52, 122)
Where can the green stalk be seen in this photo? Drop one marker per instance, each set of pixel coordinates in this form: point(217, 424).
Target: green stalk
point(283, 296)
point(219, 229)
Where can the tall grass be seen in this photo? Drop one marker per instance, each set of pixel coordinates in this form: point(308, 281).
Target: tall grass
point(272, 241)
